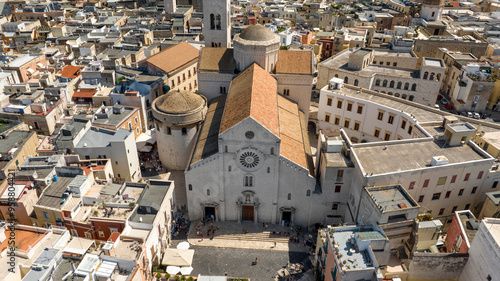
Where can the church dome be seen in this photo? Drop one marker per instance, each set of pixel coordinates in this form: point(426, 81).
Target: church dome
point(257, 32)
point(179, 102)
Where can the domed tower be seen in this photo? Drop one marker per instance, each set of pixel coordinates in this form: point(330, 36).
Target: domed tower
point(432, 10)
point(256, 44)
point(177, 116)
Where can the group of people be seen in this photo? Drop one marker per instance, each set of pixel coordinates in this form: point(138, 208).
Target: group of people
point(181, 225)
point(210, 231)
point(151, 160)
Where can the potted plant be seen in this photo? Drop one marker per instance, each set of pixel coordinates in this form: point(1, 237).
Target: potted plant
point(167, 276)
point(177, 278)
point(158, 276)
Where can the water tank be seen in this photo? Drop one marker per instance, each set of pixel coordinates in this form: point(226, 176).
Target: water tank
point(55, 178)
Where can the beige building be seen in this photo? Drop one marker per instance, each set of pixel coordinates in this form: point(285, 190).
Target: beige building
point(489, 141)
point(25, 195)
point(14, 148)
point(491, 207)
point(454, 62)
point(179, 63)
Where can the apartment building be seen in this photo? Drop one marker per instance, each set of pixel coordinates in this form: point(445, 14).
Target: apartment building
point(119, 116)
point(14, 148)
point(179, 63)
point(25, 196)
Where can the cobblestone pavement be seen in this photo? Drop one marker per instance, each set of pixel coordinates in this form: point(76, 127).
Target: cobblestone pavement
point(238, 263)
point(231, 235)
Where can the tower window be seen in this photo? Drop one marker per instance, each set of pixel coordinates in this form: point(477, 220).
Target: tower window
point(289, 196)
point(208, 192)
point(184, 131)
point(190, 187)
point(218, 22)
point(212, 21)
point(248, 181)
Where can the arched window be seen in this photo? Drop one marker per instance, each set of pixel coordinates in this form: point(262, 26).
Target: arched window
point(377, 82)
point(400, 84)
point(383, 92)
point(384, 84)
point(212, 21)
point(414, 87)
point(248, 181)
point(432, 76)
point(346, 79)
point(391, 85)
point(208, 192)
point(397, 95)
point(272, 150)
point(407, 86)
point(289, 196)
point(404, 96)
point(411, 98)
point(438, 77)
point(308, 193)
point(426, 74)
point(268, 170)
point(217, 22)
point(390, 93)
point(190, 187)
point(356, 82)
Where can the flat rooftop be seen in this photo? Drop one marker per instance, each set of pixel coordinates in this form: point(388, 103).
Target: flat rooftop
point(461, 127)
point(114, 119)
point(390, 198)
point(390, 157)
point(53, 195)
point(433, 62)
point(98, 137)
point(152, 197)
point(494, 196)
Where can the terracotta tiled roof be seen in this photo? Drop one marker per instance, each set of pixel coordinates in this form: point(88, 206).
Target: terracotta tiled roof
point(252, 94)
point(84, 93)
point(70, 71)
point(294, 62)
point(294, 143)
point(217, 59)
point(174, 57)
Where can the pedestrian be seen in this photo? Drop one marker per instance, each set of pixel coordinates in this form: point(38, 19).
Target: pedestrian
point(256, 260)
point(202, 237)
point(274, 244)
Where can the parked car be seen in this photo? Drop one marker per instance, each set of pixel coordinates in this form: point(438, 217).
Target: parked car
point(448, 106)
point(470, 115)
point(477, 115)
point(436, 106)
point(444, 101)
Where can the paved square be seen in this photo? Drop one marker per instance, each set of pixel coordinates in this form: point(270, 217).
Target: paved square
point(238, 263)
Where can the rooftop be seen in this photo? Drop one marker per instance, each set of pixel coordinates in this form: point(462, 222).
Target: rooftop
point(469, 223)
point(494, 196)
point(53, 195)
point(217, 59)
point(180, 102)
point(150, 201)
point(115, 117)
point(294, 62)
point(433, 62)
point(99, 137)
point(257, 32)
point(174, 57)
point(390, 198)
point(391, 157)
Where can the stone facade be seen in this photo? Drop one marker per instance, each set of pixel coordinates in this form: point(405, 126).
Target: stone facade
point(217, 23)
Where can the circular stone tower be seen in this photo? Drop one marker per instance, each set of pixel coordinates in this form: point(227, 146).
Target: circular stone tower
point(432, 10)
point(177, 116)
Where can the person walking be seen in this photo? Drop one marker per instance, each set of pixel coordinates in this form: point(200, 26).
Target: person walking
point(275, 244)
point(256, 260)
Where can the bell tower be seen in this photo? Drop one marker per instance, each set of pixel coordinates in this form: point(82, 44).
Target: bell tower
point(217, 23)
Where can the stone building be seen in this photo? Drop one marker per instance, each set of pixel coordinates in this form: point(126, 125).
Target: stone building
point(394, 73)
point(217, 23)
point(432, 10)
point(178, 116)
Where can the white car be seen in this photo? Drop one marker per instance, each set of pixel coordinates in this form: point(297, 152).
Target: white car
point(470, 115)
point(477, 115)
point(444, 101)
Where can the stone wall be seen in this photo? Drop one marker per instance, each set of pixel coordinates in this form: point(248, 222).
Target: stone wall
point(437, 266)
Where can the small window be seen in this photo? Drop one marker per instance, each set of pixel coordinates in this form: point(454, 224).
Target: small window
point(467, 207)
point(441, 211)
point(412, 185)
point(436, 196)
point(349, 106)
point(346, 123)
point(376, 133)
point(329, 101)
point(461, 192)
point(272, 150)
point(337, 120)
point(248, 181)
point(101, 233)
point(410, 129)
point(308, 193)
point(453, 179)
point(441, 180)
point(380, 115)
point(447, 195)
point(169, 131)
point(335, 206)
point(208, 192)
point(360, 109)
point(403, 124)
point(467, 177)
point(474, 189)
point(480, 175)
point(356, 126)
point(229, 168)
point(268, 170)
point(327, 117)
point(391, 119)
point(426, 183)
point(387, 136)
point(289, 196)
point(184, 131)
point(420, 199)
point(338, 188)
point(190, 187)
point(454, 209)
point(339, 104)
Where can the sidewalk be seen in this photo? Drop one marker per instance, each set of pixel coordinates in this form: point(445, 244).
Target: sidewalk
point(230, 235)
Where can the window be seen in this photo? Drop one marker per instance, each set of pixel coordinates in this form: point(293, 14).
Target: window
point(339, 104)
point(268, 170)
point(212, 21)
point(289, 196)
point(377, 82)
point(407, 86)
point(169, 131)
point(420, 199)
point(473, 190)
point(74, 232)
point(461, 192)
point(467, 206)
point(414, 87)
point(426, 183)
point(88, 235)
point(356, 126)
point(380, 115)
point(173, 83)
point(272, 151)
point(178, 79)
point(410, 129)
point(101, 233)
point(376, 133)
point(384, 84)
point(436, 196)
point(391, 119)
point(308, 193)
point(329, 101)
point(349, 106)
point(346, 123)
point(447, 195)
point(360, 109)
point(412, 185)
point(387, 136)
point(495, 184)
point(208, 192)
point(467, 177)
point(184, 131)
point(335, 206)
point(229, 168)
point(480, 175)
point(453, 179)
point(388, 63)
point(441, 180)
point(356, 82)
point(441, 211)
point(337, 188)
point(403, 124)
point(337, 120)
point(391, 85)
point(130, 125)
point(222, 89)
point(190, 187)
point(135, 119)
point(327, 117)
point(426, 74)
point(286, 92)
point(248, 181)
point(45, 215)
point(346, 80)
point(394, 64)
point(454, 209)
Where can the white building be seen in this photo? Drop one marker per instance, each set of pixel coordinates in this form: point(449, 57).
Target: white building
point(252, 160)
point(217, 23)
point(119, 146)
point(484, 253)
point(394, 73)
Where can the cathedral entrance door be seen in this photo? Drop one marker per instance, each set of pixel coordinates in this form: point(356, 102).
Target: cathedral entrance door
point(209, 212)
point(247, 212)
point(287, 217)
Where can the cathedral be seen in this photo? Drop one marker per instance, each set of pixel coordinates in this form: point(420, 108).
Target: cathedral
point(251, 159)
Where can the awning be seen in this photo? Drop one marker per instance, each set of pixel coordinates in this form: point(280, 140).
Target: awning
point(178, 257)
point(78, 246)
